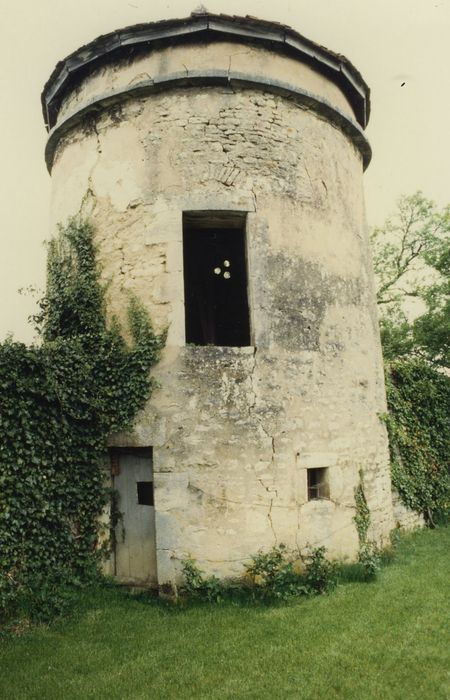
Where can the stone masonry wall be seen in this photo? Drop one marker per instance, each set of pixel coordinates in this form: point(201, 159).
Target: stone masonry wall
point(235, 429)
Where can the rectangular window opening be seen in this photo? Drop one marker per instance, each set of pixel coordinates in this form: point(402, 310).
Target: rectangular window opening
point(318, 486)
point(145, 493)
point(215, 279)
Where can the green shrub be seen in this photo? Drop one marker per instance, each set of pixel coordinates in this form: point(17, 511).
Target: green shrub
point(274, 575)
point(369, 557)
point(321, 575)
point(198, 586)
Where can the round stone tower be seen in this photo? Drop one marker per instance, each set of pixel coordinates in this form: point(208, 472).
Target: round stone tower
point(220, 160)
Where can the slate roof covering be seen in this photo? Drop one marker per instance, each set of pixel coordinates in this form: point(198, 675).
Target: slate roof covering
point(202, 27)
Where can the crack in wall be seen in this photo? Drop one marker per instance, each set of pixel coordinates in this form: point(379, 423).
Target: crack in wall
point(268, 489)
point(140, 75)
point(236, 53)
point(297, 532)
point(252, 404)
point(239, 560)
point(90, 195)
point(252, 413)
point(272, 442)
point(213, 497)
point(269, 516)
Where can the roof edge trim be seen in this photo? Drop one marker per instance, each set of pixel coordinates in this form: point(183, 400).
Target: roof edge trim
point(280, 38)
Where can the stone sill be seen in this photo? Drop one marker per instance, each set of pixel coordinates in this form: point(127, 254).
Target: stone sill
point(212, 350)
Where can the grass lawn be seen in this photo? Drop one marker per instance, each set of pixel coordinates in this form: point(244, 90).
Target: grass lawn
point(387, 639)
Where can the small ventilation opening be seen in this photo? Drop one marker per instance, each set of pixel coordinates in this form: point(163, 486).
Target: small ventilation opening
point(215, 279)
point(318, 486)
point(145, 493)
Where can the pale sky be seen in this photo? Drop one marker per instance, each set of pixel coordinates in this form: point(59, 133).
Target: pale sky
point(401, 47)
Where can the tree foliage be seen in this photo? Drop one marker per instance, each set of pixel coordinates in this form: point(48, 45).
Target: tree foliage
point(59, 401)
point(412, 261)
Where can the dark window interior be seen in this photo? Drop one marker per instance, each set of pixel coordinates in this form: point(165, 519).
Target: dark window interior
point(318, 486)
point(215, 280)
point(145, 493)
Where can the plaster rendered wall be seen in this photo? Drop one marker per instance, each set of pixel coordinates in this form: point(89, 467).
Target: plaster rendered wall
point(235, 429)
point(184, 59)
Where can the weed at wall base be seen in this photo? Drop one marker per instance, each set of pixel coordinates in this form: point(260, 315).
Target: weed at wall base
point(275, 575)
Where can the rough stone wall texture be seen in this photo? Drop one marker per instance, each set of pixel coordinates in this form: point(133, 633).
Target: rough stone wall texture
point(235, 429)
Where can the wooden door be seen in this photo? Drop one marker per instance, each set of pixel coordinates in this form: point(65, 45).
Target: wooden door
point(135, 547)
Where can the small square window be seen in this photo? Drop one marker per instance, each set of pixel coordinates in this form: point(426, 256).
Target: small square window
point(318, 486)
point(145, 493)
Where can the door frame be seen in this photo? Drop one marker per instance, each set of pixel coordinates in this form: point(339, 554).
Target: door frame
point(115, 453)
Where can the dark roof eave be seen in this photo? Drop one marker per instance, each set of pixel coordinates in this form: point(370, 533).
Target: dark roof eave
point(279, 36)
